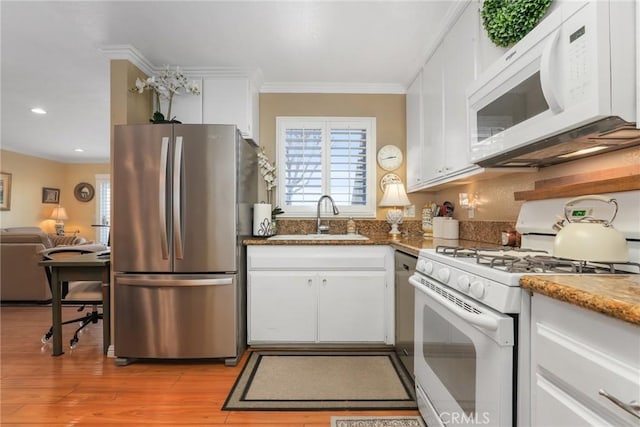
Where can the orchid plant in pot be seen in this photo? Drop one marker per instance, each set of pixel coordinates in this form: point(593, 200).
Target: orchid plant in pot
point(165, 86)
point(268, 172)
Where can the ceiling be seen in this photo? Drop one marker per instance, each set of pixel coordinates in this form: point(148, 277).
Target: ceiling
point(51, 55)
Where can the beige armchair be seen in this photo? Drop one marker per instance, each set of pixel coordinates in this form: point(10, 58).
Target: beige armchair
point(21, 278)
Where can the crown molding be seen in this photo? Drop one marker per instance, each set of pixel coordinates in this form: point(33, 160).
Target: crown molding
point(317, 87)
point(133, 55)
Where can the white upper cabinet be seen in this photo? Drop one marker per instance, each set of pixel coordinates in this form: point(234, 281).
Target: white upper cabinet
point(458, 73)
point(230, 100)
point(415, 134)
point(433, 117)
point(439, 113)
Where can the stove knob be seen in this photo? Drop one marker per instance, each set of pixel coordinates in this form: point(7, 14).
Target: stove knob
point(463, 283)
point(428, 267)
point(477, 289)
point(443, 275)
point(424, 266)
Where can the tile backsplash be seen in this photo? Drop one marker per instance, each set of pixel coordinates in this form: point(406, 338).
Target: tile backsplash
point(482, 231)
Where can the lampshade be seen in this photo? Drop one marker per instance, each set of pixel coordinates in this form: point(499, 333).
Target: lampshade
point(59, 214)
point(394, 195)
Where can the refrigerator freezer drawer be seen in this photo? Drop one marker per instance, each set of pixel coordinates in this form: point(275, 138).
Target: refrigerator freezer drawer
point(175, 316)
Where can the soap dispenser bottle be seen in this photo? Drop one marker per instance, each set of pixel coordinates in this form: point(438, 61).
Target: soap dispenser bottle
point(351, 226)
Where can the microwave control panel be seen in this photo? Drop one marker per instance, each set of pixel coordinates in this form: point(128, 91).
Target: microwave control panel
point(578, 65)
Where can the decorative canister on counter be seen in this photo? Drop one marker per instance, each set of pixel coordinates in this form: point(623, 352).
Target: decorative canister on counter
point(262, 220)
point(427, 220)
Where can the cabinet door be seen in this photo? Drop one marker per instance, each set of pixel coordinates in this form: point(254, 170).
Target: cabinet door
point(433, 117)
point(458, 74)
point(186, 107)
point(415, 134)
point(228, 101)
point(281, 306)
point(351, 306)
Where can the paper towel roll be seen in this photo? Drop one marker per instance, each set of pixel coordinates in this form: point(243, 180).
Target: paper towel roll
point(262, 219)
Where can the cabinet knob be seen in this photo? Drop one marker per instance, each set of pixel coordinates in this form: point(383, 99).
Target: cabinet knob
point(309, 282)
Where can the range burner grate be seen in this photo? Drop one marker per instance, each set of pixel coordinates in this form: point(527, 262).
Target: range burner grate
point(524, 260)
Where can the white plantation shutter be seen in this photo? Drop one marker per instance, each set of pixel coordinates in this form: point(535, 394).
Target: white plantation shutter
point(103, 207)
point(348, 165)
point(302, 183)
point(326, 155)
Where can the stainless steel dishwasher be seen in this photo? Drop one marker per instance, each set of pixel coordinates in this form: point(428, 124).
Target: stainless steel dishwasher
point(405, 266)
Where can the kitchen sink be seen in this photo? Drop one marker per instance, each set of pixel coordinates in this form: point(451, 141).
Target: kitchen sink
point(318, 237)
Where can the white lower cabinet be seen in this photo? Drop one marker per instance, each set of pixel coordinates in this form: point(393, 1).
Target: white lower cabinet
point(282, 306)
point(575, 355)
point(351, 306)
point(319, 294)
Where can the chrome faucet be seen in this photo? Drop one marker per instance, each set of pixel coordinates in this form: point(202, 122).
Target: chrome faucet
point(321, 228)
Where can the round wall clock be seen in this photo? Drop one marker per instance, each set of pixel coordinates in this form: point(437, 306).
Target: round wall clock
point(84, 192)
point(389, 157)
point(389, 178)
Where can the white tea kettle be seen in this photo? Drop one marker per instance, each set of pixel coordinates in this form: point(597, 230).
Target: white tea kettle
point(588, 238)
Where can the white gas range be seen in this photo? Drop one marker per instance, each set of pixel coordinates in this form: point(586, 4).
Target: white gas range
point(471, 327)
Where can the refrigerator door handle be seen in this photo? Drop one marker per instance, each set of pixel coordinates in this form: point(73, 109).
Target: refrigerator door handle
point(162, 196)
point(156, 282)
point(177, 199)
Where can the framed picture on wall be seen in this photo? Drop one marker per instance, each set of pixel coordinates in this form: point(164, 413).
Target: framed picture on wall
point(50, 195)
point(5, 191)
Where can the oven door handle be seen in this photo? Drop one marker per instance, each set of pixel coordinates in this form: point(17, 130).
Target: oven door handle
point(479, 320)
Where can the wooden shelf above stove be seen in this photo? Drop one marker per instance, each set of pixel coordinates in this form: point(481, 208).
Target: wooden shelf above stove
point(626, 178)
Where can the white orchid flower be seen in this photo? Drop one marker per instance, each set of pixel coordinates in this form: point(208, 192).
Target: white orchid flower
point(140, 85)
point(167, 84)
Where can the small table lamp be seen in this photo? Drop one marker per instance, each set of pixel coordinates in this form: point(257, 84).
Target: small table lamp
point(59, 214)
point(394, 196)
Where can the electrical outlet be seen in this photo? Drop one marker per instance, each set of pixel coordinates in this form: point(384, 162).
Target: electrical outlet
point(410, 211)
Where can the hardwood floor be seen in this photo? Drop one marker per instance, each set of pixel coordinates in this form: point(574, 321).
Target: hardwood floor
point(84, 388)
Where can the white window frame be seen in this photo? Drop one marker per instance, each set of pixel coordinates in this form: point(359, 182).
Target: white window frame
point(102, 218)
point(366, 211)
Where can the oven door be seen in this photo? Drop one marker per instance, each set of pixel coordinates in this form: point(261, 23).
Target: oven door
point(464, 358)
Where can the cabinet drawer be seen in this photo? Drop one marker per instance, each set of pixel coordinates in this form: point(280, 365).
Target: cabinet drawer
point(317, 258)
point(587, 370)
point(580, 353)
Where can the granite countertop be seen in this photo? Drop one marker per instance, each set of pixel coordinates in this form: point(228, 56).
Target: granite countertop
point(613, 295)
point(410, 244)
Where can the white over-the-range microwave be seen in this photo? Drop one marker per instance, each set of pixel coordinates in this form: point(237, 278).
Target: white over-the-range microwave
point(566, 90)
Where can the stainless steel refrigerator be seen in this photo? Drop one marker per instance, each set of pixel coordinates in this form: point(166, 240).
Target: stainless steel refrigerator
point(182, 200)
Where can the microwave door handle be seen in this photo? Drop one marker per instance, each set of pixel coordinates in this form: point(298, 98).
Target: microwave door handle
point(162, 197)
point(177, 199)
point(549, 88)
